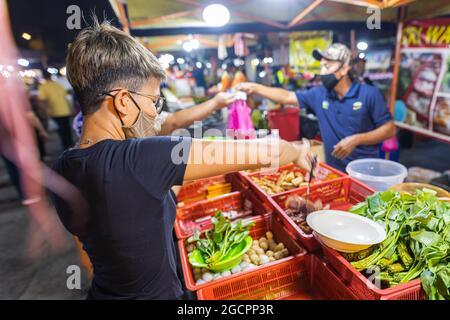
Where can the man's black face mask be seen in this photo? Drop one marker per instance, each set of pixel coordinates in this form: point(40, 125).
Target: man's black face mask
point(330, 81)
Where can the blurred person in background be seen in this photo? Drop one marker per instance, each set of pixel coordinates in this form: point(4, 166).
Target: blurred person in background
point(38, 119)
point(238, 77)
point(199, 76)
point(227, 77)
point(54, 97)
point(359, 70)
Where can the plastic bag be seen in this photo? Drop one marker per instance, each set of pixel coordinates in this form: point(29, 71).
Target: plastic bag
point(239, 119)
point(390, 145)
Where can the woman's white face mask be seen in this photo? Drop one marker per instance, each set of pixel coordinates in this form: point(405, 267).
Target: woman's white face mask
point(145, 126)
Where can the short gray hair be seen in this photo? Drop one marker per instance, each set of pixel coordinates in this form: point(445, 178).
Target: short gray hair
point(103, 57)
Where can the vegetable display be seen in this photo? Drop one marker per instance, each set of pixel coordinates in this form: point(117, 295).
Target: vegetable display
point(228, 249)
point(223, 246)
point(287, 180)
point(417, 243)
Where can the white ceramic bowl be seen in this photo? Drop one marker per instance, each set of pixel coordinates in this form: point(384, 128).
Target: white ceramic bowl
point(345, 232)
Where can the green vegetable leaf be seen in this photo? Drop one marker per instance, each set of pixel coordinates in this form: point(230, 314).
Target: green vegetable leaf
point(196, 259)
point(443, 282)
point(375, 202)
point(359, 208)
point(427, 278)
point(387, 196)
point(223, 245)
point(428, 238)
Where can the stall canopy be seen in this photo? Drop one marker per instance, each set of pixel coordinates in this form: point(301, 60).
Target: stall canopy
point(149, 20)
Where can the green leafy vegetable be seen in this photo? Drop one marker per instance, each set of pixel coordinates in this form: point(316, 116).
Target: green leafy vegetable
point(417, 242)
point(221, 248)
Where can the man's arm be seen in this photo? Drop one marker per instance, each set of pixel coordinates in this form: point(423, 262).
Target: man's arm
point(345, 147)
point(277, 95)
point(211, 158)
point(184, 118)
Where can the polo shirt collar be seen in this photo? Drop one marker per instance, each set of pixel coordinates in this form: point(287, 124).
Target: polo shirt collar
point(352, 92)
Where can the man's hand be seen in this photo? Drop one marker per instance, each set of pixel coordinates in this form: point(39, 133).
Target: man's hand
point(345, 147)
point(247, 87)
point(222, 99)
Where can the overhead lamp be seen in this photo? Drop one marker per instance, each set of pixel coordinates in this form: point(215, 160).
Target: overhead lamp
point(52, 70)
point(362, 45)
point(216, 15)
point(23, 62)
point(26, 36)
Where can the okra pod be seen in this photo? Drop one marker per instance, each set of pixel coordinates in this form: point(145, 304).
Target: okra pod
point(395, 268)
point(404, 255)
point(384, 262)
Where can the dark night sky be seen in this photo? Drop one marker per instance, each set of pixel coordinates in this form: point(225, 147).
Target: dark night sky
point(46, 19)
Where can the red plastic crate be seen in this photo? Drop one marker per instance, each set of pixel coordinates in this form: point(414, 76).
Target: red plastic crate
point(192, 217)
point(364, 288)
point(305, 278)
point(275, 173)
point(325, 283)
point(263, 224)
point(340, 194)
point(197, 190)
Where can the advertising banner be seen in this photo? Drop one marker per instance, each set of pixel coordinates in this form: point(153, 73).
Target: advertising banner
point(301, 47)
point(424, 78)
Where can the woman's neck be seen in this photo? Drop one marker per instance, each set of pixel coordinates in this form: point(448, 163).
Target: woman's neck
point(95, 130)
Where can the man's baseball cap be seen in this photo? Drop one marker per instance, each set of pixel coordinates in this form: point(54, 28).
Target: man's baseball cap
point(336, 52)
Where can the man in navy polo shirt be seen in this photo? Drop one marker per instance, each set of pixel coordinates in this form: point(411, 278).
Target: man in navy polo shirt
point(353, 117)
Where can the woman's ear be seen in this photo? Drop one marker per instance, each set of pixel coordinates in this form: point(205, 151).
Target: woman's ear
point(122, 102)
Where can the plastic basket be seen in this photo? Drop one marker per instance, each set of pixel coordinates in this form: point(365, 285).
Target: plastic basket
point(340, 194)
point(197, 216)
point(304, 278)
point(325, 283)
point(263, 224)
point(364, 288)
point(287, 121)
point(274, 173)
point(197, 190)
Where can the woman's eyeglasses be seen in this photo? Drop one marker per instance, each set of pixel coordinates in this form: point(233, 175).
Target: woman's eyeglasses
point(158, 101)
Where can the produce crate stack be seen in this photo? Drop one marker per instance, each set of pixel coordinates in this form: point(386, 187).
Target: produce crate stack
point(306, 272)
point(262, 226)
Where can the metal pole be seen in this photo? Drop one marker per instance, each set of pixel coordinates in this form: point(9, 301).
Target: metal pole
point(402, 13)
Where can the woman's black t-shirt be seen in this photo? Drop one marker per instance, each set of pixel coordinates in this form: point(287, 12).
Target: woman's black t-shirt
point(127, 225)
